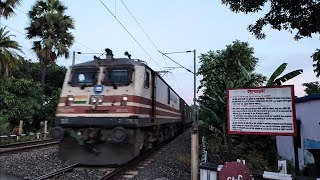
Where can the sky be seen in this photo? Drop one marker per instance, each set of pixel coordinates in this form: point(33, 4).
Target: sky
point(178, 25)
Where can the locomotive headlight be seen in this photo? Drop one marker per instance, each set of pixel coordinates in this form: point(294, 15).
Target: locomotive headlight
point(93, 99)
point(69, 100)
point(96, 99)
point(124, 101)
point(100, 100)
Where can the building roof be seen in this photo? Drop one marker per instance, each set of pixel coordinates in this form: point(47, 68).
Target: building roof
point(308, 98)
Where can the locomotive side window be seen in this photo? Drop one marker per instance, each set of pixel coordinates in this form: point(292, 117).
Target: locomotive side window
point(147, 80)
point(86, 76)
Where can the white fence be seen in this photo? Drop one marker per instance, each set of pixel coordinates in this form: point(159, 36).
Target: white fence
point(13, 136)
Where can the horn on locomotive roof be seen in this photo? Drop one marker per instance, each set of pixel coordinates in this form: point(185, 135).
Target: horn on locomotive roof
point(127, 54)
point(109, 54)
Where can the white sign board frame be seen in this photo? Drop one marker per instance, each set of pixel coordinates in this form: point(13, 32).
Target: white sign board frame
point(262, 111)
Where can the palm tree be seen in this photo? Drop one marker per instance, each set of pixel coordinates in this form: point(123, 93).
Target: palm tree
point(7, 6)
point(8, 52)
point(284, 78)
point(50, 27)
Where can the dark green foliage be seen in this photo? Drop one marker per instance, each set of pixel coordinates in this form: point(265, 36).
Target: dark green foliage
point(316, 60)
point(7, 7)
point(31, 71)
point(301, 16)
point(9, 57)
point(284, 78)
point(20, 99)
point(312, 88)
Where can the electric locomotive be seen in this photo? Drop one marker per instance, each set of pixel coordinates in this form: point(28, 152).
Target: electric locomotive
point(112, 109)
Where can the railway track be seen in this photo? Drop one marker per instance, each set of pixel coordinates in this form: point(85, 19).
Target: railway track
point(57, 172)
point(16, 147)
point(119, 172)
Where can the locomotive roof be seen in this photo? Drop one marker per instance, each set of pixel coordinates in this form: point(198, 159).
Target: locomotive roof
point(115, 61)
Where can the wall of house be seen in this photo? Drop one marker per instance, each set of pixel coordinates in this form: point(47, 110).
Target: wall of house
point(308, 112)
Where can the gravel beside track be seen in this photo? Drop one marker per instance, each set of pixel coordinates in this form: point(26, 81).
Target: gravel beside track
point(34, 163)
point(31, 164)
point(171, 162)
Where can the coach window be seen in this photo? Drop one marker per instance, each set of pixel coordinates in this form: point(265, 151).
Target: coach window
point(147, 80)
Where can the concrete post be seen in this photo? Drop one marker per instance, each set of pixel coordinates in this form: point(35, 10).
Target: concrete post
point(45, 129)
point(194, 155)
point(20, 127)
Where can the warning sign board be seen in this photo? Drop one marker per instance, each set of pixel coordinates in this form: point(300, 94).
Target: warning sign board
point(235, 171)
point(264, 111)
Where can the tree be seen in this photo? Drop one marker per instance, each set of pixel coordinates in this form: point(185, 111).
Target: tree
point(301, 16)
point(50, 27)
point(232, 67)
point(7, 6)
point(284, 78)
point(9, 57)
point(222, 69)
point(316, 60)
point(312, 88)
point(20, 99)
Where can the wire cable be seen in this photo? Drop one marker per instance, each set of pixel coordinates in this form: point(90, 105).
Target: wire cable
point(74, 41)
point(86, 47)
point(130, 34)
point(14, 29)
point(176, 62)
point(141, 27)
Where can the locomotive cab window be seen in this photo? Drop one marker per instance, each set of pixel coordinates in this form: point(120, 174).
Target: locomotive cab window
point(147, 80)
point(117, 76)
point(84, 76)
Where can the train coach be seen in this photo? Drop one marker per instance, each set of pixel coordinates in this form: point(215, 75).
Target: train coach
point(112, 109)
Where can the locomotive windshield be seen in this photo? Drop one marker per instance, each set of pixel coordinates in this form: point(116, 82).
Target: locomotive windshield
point(118, 76)
point(82, 76)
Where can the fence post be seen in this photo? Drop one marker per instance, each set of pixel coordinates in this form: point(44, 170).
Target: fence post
point(20, 127)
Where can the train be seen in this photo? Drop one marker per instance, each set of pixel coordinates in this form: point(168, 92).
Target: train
point(112, 109)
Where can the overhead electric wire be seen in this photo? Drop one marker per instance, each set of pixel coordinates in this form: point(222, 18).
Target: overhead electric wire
point(130, 34)
point(176, 62)
point(74, 41)
point(86, 46)
point(141, 28)
point(177, 86)
point(151, 39)
point(14, 29)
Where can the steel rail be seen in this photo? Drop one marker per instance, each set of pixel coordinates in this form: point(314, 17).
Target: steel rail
point(24, 143)
point(57, 172)
point(11, 149)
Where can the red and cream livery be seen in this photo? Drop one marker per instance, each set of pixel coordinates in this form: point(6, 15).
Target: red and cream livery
point(110, 109)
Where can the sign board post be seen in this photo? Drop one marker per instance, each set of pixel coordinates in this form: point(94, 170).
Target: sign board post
point(262, 111)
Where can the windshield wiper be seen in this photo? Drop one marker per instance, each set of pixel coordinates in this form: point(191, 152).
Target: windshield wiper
point(114, 85)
